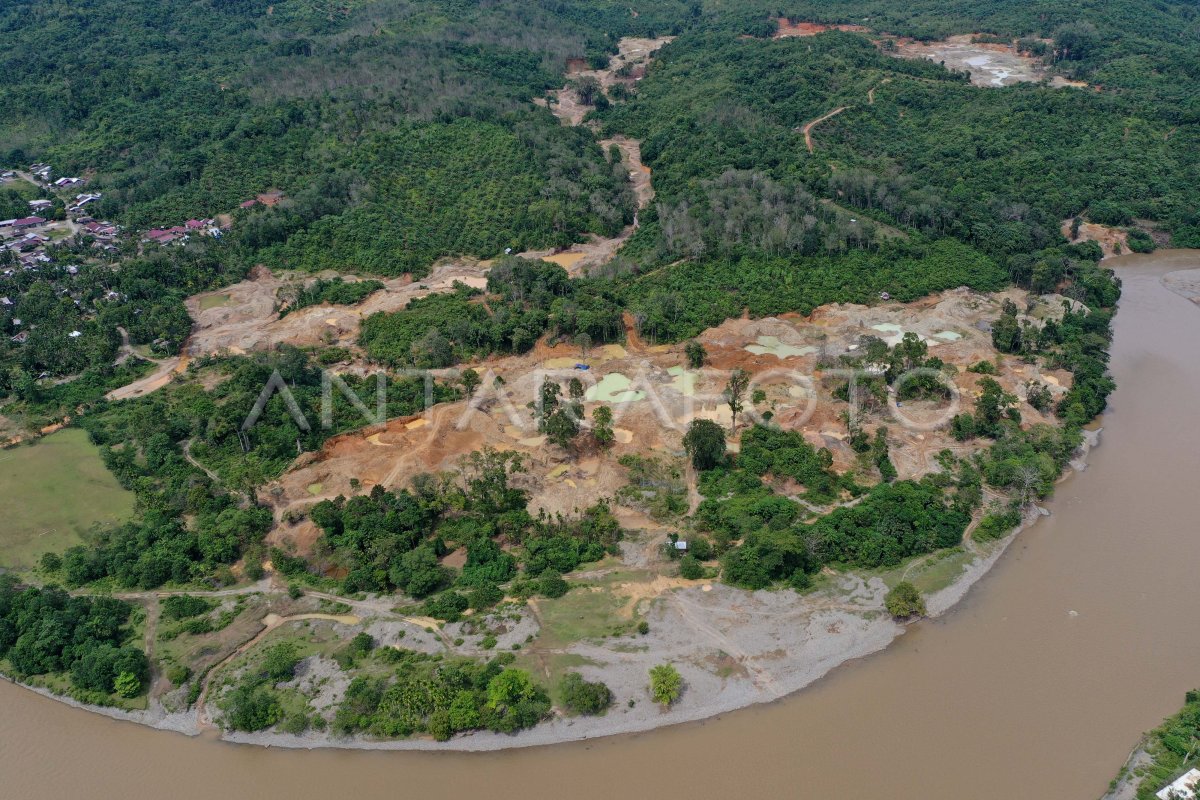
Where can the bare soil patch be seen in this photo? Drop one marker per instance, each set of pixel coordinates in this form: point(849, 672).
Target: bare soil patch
point(789, 28)
point(990, 65)
point(1113, 241)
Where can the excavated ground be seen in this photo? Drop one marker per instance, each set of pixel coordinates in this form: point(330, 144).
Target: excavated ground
point(654, 399)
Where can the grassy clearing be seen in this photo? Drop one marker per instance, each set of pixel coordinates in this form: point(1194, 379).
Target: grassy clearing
point(57, 488)
point(548, 669)
point(593, 610)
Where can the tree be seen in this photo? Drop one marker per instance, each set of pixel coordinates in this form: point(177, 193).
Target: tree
point(584, 697)
point(551, 584)
point(575, 389)
point(128, 684)
point(1006, 331)
point(589, 90)
point(666, 684)
point(879, 452)
point(705, 443)
point(510, 687)
point(690, 568)
point(562, 425)
point(905, 601)
point(470, 382)
point(602, 430)
point(696, 354)
point(1076, 41)
point(280, 661)
point(250, 707)
point(735, 393)
point(992, 405)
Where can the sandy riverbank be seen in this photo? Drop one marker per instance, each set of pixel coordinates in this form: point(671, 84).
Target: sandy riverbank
point(734, 649)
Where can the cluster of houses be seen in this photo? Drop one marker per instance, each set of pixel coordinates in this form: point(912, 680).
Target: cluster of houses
point(17, 237)
point(181, 233)
point(43, 172)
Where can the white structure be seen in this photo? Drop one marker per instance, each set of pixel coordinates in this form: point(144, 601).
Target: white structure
point(1184, 787)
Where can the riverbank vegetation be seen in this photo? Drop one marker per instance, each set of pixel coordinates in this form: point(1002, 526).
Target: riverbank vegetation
point(1165, 753)
point(87, 640)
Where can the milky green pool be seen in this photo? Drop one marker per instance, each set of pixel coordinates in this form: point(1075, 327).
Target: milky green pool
point(771, 346)
point(614, 388)
point(683, 381)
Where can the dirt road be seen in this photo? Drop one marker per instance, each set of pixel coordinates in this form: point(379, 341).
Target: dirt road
point(807, 129)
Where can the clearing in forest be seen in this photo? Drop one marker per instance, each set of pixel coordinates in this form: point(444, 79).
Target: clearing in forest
point(54, 491)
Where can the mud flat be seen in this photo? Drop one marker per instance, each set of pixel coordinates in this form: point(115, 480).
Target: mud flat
point(1185, 283)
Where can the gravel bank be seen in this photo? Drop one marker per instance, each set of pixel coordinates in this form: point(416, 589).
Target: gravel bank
point(733, 648)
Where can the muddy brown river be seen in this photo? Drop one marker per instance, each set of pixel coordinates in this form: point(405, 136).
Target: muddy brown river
point(1036, 686)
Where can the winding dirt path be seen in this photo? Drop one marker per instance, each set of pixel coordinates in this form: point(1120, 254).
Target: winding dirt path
point(807, 129)
point(270, 623)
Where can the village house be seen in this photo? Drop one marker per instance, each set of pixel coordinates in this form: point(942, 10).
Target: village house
point(82, 200)
point(69, 183)
point(40, 205)
point(27, 222)
point(181, 232)
point(1184, 787)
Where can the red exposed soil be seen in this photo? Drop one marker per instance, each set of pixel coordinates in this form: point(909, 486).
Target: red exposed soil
point(789, 28)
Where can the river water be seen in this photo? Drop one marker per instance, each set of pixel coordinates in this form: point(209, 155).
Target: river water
point(1036, 686)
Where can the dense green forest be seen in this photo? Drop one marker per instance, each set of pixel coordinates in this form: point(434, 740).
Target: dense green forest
point(372, 117)
point(996, 168)
point(46, 631)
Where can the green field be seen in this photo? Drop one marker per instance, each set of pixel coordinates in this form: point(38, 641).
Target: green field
point(53, 492)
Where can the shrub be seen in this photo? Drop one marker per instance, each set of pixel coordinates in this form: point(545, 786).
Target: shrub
point(250, 707)
point(690, 568)
point(551, 584)
point(447, 605)
point(280, 662)
point(905, 601)
point(584, 697)
point(666, 684)
point(996, 525)
point(485, 596)
point(128, 685)
point(185, 606)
